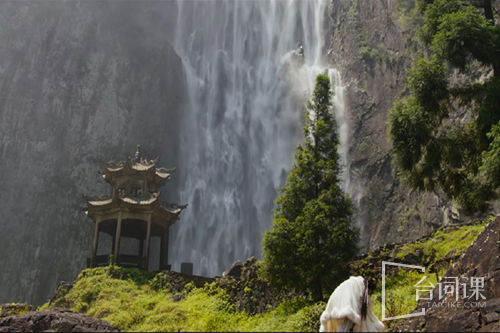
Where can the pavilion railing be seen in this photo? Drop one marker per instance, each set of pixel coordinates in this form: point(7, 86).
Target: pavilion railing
point(124, 260)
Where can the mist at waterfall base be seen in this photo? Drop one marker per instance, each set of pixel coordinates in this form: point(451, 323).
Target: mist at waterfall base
point(249, 68)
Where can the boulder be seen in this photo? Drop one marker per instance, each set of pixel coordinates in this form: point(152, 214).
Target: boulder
point(12, 309)
point(234, 270)
point(57, 320)
point(247, 291)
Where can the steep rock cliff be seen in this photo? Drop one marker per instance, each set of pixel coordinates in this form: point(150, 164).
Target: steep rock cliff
point(371, 45)
point(81, 82)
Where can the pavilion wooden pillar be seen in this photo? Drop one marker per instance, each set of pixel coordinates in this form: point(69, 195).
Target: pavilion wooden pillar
point(96, 241)
point(141, 247)
point(116, 250)
point(148, 242)
point(164, 250)
point(113, 243)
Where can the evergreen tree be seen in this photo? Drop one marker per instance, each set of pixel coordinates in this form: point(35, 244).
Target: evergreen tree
point(433, 149)
point(312, 236)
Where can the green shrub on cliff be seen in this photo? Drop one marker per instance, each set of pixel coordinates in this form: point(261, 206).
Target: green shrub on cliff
point(431, 147)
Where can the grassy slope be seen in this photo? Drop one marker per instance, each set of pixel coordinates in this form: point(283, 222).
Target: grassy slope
point(438, 253)
point(132, 301)
point(127, 300)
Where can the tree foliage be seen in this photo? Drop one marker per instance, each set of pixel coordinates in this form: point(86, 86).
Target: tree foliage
point(312, 236)
point(435, 146)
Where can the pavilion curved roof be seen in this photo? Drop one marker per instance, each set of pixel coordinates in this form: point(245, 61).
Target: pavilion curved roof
point(106, 200)
point(166, 211)
point(142, 168)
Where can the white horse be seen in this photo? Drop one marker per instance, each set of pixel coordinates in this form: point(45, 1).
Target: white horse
point(349, 309)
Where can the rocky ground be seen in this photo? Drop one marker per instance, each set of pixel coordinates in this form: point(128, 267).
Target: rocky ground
point(56, 320)
point(13, 309)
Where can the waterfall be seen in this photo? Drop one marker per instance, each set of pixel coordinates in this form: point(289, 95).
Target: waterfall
point(342, 124)
point(249, 67)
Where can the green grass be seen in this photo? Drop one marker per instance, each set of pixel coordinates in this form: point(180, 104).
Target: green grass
point(120, 297)
point(445, 243)
point(400, 293)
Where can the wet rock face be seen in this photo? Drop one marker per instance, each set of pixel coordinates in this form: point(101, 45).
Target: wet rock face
point(372, 51)
point(80, 83)
point(481, 260)
point(54, 321)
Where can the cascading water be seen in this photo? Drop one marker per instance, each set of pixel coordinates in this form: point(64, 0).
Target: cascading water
point(342, 124)
point(249, 67)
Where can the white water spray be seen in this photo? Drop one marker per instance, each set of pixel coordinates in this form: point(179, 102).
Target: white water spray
point(247, 90)
point(342, 124)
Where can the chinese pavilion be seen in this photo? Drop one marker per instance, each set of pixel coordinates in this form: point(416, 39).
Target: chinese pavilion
point(133, 210)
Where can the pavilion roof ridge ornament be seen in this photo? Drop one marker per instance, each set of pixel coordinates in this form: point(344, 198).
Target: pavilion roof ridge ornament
point(137, 162)
point(138, 153)
point(138, 159)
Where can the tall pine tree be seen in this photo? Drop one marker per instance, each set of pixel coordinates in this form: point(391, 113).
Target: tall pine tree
point(313, 234)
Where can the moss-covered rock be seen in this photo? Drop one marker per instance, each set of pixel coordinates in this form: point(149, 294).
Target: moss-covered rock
point(249, 292)
point(480, 260)
point(13, 309)
point(436, 252)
